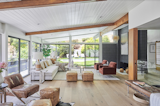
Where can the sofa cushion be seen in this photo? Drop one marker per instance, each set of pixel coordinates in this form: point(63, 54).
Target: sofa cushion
point(24, 90)
point(53, 60)
point(104, 61)
point(45, 63)
point(51, 69)
point(42, 65)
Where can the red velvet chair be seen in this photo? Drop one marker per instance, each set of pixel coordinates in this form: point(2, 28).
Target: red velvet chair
point(96, 65)
point(108, 70)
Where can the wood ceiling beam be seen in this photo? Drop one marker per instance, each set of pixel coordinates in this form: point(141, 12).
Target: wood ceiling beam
point(37, 3)
point(121, 21)
point(68, 29)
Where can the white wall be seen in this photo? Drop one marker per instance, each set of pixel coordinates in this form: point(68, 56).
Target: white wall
point(143, 13)
point(153, 36)
point(15, 32)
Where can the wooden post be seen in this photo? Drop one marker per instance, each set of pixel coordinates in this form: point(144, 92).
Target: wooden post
point(133, 53)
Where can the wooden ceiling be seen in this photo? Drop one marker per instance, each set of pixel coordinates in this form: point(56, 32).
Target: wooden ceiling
point(36, 3)
point(68, 15)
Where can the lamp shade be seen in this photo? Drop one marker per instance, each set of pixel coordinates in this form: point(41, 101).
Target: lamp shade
point(38, 55)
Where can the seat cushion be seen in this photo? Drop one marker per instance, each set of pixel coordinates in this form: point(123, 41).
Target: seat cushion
point(25, 90)
point(51, 70)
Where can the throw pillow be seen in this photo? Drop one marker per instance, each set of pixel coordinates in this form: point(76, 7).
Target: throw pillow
point(52, 60)
point(45, 64)
point(42, 65)
point(48, 62)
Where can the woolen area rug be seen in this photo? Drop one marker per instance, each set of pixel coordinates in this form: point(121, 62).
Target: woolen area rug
point(97, 75)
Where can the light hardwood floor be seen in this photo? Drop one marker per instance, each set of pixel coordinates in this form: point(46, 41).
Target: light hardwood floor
point(97, 93)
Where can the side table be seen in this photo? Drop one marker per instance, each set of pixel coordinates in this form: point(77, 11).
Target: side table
point(2, 92)
point(41, 75)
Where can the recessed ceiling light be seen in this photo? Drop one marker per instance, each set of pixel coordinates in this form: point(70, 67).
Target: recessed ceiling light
point(100, 16)
point(38, 24)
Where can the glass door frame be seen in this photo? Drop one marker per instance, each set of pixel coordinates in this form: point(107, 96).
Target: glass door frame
point(94, 53)
point(58, 44)
point(19, 58)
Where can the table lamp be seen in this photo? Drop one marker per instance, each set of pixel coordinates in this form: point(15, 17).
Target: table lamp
point(38, 56)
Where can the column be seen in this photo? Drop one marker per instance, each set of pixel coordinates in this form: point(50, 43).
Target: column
point(133, 53)
point(70, 49)
point(5, 46)
point(31, 53)
point(100, 48)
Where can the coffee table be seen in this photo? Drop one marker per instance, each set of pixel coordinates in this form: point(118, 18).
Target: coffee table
point(75, 66)
point(144, 90)
point(2, 92)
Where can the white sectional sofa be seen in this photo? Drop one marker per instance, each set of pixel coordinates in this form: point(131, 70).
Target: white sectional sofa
point(49, 73)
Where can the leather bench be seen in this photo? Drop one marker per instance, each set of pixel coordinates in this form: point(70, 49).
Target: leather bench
point(146, 91)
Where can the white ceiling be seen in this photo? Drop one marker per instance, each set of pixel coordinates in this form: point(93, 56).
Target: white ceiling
point(67, 16)
point(8, 0)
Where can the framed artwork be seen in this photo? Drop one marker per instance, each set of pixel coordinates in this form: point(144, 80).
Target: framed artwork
point(152, 48)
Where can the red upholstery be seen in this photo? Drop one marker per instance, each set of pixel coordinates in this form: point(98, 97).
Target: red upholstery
point(96, 65)
point(107, 70)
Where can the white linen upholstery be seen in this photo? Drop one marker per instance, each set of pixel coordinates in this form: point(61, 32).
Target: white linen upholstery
point(155, 99)
point(49, 73)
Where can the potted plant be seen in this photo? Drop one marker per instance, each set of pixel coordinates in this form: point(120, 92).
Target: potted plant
point(3, 66)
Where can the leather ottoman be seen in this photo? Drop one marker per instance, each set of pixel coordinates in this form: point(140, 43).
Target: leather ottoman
point(41, 102)
point(71, 75)
point(87, 76)
point(51, 93)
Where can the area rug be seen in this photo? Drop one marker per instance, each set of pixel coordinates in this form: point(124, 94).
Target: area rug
point(97, 75)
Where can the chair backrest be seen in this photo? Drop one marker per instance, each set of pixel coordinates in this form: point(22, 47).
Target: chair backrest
point(113, 64)
point(104, 61)
point(14, 80)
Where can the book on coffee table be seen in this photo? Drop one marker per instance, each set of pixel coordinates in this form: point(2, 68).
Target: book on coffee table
point(139, 83)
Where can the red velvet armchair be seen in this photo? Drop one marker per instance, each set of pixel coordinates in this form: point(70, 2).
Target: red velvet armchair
point(108, 70)
point(96, 65)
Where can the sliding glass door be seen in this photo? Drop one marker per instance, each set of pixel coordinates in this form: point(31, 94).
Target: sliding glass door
point(13, 55)
point(18, 56)
point(92, 55)
point(85, 54)
point(24, 57)
point(62, 51)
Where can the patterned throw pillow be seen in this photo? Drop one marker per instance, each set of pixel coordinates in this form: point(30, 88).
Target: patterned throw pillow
point(50, 62)
point(45, 63)
point(53, 60)
point(42, 65)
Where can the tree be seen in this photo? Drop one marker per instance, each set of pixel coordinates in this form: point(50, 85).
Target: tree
point(46, 50)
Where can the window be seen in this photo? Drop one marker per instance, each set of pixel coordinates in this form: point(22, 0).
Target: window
point(90, 38)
